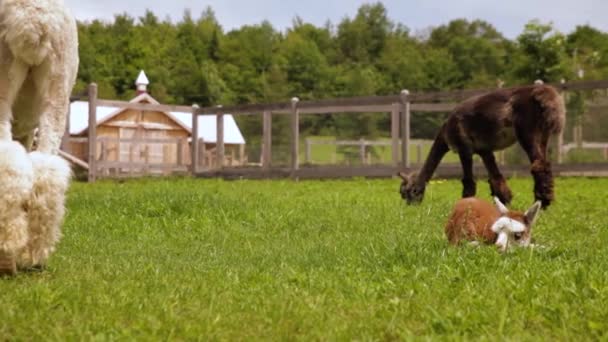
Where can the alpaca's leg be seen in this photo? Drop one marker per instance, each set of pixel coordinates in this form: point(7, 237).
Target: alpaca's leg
point(469, 186)
point(498, 184)
point(51, 173)
point(16, 178)
point(413, 187)
point(12, 76)
point(535, 146)
point(54, 91)
point(26, 113)
point(46, 208)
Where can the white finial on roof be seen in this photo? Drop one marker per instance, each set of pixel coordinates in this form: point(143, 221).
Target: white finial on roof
point(142, 83)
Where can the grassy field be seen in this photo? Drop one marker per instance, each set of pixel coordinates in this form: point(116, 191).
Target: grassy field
point(190, 259)
point(323, 154)
point(332, 154)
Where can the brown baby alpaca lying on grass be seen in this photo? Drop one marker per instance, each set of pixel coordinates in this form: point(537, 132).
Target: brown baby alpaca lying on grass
point(476, 220)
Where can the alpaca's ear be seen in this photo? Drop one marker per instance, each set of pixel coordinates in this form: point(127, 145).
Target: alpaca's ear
point(403, 176)
point(532, 213)
point(501, 207)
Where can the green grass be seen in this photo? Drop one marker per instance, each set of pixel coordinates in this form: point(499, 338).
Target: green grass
point(579, 155)
point(322, 154)
point(190, 259)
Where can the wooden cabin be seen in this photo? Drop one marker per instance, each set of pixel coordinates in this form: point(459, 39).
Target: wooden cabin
point(135, 141)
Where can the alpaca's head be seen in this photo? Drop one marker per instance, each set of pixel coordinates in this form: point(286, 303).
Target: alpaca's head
point(411, 190)
point(514, 227)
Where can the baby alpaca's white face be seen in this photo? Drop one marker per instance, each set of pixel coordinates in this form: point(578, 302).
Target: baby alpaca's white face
point(510, 231)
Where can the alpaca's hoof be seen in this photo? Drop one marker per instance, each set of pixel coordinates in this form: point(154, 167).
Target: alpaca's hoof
point(8, 267)
point(545, 198)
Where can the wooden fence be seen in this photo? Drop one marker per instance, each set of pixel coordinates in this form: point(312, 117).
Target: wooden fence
point(399, 106)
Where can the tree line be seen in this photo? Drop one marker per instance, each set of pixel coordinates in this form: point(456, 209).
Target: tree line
point(195, 60)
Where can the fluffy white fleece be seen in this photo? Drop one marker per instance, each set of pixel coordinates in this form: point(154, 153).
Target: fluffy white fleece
point(16, 182)
point(44, 208)
point(38, 67)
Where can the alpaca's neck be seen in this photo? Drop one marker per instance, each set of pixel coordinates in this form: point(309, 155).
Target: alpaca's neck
point(438, 150)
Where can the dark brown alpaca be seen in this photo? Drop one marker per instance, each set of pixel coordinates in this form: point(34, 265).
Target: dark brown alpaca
point(491, 122)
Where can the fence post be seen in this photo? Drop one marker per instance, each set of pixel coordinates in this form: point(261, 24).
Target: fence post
point(65, 140)
point(395, 133)
point(559, 141)
point(419, 153)
point(194, 148)
point(295, 135)
point(405, 129)
point(92, 132)
point(202, 154)
point(362, 150)
point(220, 137)
point(267, 140)
point(307, 152)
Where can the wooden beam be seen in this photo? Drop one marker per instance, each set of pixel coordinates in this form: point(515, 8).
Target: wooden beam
point(220, 151)
point(267, 140)
point(424, 102)
point(395, 133)
point(582, 85)
point(73, 159)
point(248, 109)
point(433, 107)
point(307, 151)
point(92, 153)
point(142, 165)
point(202, 153)
point(345, 109)
point(144, 125)
point(139, 140)
point(295, 134)
point(350, 142)
point(79, 140)
point(194, 148)
point(362, 151)
point(150, 107)
point(450, 171)
point(405, 129)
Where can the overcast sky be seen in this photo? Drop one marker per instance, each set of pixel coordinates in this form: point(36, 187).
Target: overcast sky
point(508, 16)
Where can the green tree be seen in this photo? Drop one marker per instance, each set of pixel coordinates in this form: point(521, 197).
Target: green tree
point(542, 54)
point(305, 66)
point(362, 39)
point(476, 48)
point(588, 48)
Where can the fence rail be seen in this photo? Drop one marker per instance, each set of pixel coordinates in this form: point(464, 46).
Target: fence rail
point(447, 171)
point(399, 106)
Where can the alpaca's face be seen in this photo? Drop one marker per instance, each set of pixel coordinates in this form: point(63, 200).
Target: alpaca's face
point(514, 228)
point(511, 231)
point(524, 238)
point(410, 190)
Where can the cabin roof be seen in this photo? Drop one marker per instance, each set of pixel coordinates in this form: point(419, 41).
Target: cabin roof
point(79, 120)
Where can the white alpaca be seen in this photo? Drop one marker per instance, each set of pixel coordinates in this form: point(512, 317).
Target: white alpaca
point(38, 66)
